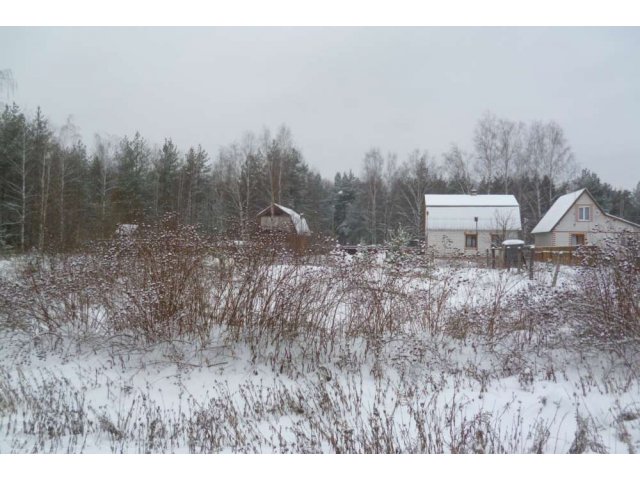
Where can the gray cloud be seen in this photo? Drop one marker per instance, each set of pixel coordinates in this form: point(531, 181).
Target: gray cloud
point(340, 90)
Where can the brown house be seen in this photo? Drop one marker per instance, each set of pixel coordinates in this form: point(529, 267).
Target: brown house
point(284, 223)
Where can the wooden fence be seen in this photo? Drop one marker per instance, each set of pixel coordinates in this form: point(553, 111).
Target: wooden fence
point(575, 255)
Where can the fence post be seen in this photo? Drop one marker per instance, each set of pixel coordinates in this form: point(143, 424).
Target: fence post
point(493, 257)
point(555, 274)
point(519, 259)
point(532, 254)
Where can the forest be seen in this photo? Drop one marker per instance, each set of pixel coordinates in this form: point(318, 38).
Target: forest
point(57, 193)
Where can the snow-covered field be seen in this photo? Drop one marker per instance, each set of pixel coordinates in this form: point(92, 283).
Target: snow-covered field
point(520, 389)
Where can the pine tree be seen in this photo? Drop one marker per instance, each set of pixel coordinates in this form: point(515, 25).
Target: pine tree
point(193, 179)
point(165, 177)
point(132, 193)
point(14, 186)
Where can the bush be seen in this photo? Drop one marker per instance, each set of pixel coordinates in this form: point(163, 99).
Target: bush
point(164, 282)
point(159, 284)
point(152, 284)
point(605, 305)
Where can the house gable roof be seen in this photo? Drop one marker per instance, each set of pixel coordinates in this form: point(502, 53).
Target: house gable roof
point(560, 208)
point(620, 219)
point(299, 222)
point(459, 212)
point(434, 200)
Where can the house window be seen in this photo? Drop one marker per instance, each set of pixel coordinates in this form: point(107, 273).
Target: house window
point(584, 214)
point(470, 240)
point(577, 239)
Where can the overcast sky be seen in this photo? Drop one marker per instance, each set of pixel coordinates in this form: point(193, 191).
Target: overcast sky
point(341, 91)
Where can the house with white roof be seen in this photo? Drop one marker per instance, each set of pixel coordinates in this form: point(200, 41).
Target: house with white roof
point(284, 226)
point(276, 218)
point(469, 224)
point(577, 219)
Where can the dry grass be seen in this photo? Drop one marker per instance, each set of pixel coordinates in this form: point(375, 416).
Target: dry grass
point(340, 407)
point(325, 325)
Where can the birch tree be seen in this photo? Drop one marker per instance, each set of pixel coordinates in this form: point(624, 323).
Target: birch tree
point(229, 183)
point(102, 180)
point(487, 147)
point(548, 156)
point(509, 148)
point(458, 168)
point(7, 85)
point(373, 164)
point(417, 176)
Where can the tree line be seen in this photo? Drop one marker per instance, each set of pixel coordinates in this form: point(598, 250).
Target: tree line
point(57, 195)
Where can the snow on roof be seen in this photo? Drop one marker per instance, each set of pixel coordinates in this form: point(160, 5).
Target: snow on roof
point(513, 241)
point(470, 200)
point(620, 219)
point(556, 212)
point(299, 222)
point(459, 212)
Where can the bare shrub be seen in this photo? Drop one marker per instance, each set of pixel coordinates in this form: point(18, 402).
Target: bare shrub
point(152, 284)
point(605, 306)
point(529, 316)
point(54, 293)
point(586, 438)
point(165, 282)
point(273, 296)
point(159, 284)
point(264, 293)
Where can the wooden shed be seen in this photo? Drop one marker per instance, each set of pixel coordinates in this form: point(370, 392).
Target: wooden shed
point(284, 224)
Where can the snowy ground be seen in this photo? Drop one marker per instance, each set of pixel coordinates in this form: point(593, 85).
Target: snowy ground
point(412, 392)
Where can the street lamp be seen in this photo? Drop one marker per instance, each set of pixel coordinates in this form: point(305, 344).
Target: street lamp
point(477, 239)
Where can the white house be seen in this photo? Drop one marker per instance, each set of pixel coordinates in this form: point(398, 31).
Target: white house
point(469, 224)
point(577, 219)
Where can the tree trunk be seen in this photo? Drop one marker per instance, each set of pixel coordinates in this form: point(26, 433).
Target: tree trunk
point(44, 189)
point(62, 175)
point(23, 190)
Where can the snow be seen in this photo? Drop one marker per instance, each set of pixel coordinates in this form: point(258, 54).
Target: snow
point(242, 405)
point(298, 220)
point(433, 200)
point(126, 229)
point(459, 212)
point(556, 212)
point(463, 218)
point(513, 241)
point(231, 397)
